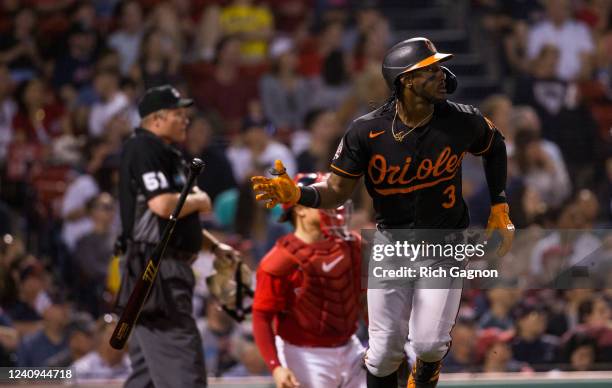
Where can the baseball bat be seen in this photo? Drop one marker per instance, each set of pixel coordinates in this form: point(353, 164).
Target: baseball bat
point(145, 282)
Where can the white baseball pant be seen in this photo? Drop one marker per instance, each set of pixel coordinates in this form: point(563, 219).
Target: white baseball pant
point(316, 367)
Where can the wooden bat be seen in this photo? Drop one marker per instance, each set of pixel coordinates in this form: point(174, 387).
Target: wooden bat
point(145, 282)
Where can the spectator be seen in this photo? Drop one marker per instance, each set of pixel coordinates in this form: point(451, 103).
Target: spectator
point(372, 45)
point(574, 242)
point(25, 312)
point(165, 19)
point(93, 253)
point(332, 87)
point(8, 109)
point(224, 92)
point(284, 94)
point(81, 332)
point(9, 339)
point(111, 102)
point(105, 362)
point(579, 353)
point(126, 40)
point(200, 143)
point(19, 50)
point(253, 23)
point(572, 38)
point(561, 114)
point(540, 169)
point(80, 190)
point(530, 344)
point(75, 69)
point(596, 321)
point(461, 355)
point(259, 150)
point(158, 62)
point(292, 17)
point(316, 146)
point(501, 303)
point(315, 50)
point(37, 349)
point(244, 350)
point(496, 353)
point(216, 329)
point(39, 115)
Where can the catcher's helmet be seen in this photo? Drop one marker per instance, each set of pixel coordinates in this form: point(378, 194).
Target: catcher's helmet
point(334, 222)
point(408, 55)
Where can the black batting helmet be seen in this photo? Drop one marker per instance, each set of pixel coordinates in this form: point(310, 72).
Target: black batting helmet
point(408, 55)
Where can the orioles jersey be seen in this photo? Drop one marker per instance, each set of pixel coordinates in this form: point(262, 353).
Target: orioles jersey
point(414, 182)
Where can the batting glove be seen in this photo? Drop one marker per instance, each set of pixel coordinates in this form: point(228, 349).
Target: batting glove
point(280, 189)
point(499, 220)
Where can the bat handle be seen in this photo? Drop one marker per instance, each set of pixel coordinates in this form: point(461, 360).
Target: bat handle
point(195, 168)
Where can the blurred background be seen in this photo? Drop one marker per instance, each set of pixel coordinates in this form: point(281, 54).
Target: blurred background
point(282, 79)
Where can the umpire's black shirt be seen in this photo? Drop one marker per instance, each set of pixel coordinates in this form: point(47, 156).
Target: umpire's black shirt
point(150, 167)
point(416, 182)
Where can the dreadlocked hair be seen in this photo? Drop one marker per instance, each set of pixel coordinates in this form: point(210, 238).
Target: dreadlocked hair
point(390, 103)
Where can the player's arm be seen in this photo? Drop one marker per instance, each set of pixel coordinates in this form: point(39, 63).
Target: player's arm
point(152, 177)
point(163, 204)
point(270, 299)
point(495, 161)
point(347, 167)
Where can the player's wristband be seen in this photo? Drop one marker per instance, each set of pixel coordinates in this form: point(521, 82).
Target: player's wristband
point(498, 198)
point(309, 197)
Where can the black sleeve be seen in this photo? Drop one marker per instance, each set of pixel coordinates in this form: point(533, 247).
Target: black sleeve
point(350, 159)
point(483, 131)
point(151, 170)
point(496, 169)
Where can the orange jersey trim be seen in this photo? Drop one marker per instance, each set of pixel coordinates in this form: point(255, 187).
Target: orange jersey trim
point(345, 172)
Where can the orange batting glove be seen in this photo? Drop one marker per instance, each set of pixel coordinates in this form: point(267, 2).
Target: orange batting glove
point(280, 189)
point(499, 220)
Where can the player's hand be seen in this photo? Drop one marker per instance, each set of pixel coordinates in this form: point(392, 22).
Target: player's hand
point(222, 283)
point(226, 254)
point(284, 378)
point(500, 220)
point(280, 189)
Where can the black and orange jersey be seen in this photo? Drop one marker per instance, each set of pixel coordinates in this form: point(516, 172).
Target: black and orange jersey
point(415, 182)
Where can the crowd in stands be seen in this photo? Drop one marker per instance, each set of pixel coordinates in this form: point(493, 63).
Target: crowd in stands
point(282, 79)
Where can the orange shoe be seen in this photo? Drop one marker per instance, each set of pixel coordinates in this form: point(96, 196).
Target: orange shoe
point(424, 374)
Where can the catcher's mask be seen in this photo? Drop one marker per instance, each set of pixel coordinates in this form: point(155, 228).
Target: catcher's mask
point(334, 222)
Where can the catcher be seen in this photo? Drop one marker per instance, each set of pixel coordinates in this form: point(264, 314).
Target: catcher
point(308, 294)
point(409, 152)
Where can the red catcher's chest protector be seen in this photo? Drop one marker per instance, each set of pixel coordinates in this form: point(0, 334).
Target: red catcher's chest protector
point(327, 303)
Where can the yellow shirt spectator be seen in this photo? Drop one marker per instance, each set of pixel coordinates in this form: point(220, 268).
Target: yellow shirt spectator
point(254, 24)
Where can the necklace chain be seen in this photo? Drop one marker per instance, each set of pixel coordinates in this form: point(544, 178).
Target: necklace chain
point(401, 135)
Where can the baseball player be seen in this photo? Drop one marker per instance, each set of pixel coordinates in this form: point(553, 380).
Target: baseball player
point(409, 152)
point(308, 294)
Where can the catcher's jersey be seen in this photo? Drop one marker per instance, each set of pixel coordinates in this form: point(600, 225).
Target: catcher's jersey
point(415, 182)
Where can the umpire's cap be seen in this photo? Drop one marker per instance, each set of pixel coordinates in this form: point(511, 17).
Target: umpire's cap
point(161, 97)
point(408, 55)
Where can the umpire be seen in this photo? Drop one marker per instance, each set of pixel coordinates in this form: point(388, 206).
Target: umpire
point(165, 346)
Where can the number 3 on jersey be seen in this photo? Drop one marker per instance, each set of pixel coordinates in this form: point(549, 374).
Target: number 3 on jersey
point(450, 192)
point(154, 180)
